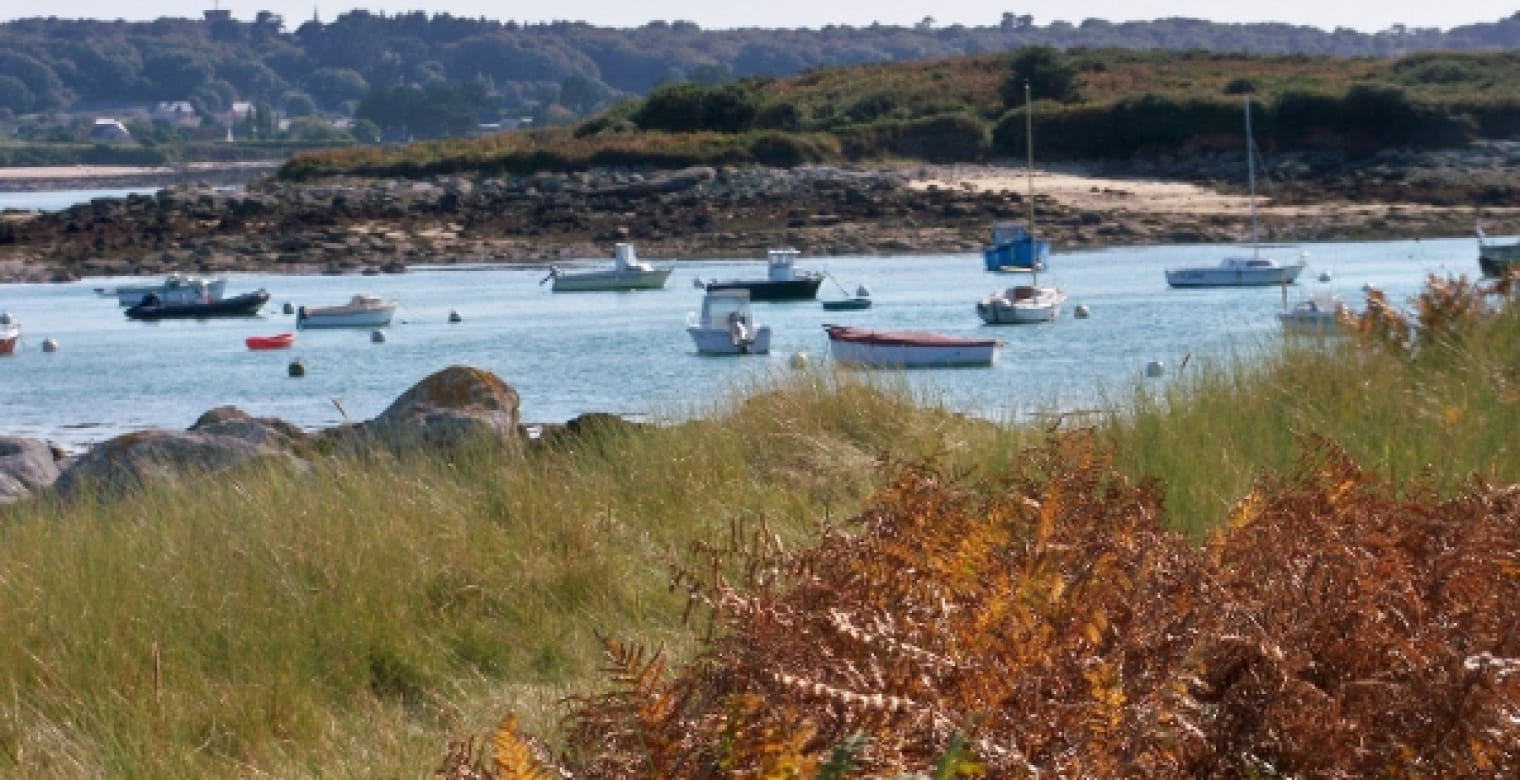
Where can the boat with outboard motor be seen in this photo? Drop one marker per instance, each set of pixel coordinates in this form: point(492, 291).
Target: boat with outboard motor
point(245, 305)
point(628, 272)
point(10, 333)
point(361, 311)
point(726, 327)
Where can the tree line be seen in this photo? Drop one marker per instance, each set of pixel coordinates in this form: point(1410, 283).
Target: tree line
point(391, 70)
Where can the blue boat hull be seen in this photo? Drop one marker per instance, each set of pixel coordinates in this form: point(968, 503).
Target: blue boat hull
point(1028, 254)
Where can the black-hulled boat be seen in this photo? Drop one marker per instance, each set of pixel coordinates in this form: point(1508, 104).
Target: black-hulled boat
point(783, 282)
point(245, 305)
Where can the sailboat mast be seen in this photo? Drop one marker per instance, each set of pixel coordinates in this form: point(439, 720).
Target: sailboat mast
point(1029, 156)
point(1251, 177)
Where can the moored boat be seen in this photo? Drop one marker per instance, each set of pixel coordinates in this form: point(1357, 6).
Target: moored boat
point(1021, 304)
point(245, 305)
point(10, 333)
point(1497, 260)
point(628, 272)
point(783, 282)
point(726, 327)
point(860, 300)
point(276, 341)
point(1321, 314)
point(907, 348)
point(175, 288)
point(361, 311)
point(1240, 271)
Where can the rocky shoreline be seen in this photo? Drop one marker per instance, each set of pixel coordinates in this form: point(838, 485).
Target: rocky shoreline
point(356, 225)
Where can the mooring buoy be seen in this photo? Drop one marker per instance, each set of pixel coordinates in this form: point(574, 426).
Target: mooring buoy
point(377, 336)
point(289, 308)
point(454, 316)
point(1155, 368)
point(49, 345)
point(297, 368)
point(1080, 312)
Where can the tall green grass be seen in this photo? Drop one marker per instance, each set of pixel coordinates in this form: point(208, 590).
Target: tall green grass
point(1432, 417)
point(351, 621)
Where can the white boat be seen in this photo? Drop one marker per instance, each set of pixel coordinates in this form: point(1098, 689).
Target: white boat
point(1321, 314)
point(361, 311)
point(725, 326)
point(1021, 304)
point(1240, 271)
point(907, 348)
point(175, 288)
point(628, 272)
point(1496, 260)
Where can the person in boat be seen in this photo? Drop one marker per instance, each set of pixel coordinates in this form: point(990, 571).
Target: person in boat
point(151, 299)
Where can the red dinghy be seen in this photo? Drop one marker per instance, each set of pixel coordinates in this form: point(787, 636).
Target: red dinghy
point(277, 341)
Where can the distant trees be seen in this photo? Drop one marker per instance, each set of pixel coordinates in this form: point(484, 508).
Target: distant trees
point(437, 110)
point(1050, 74)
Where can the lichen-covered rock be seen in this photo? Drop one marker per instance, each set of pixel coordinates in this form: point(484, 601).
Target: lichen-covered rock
point(26, 465)
point(134, 459)
point(266, 431)
point(455, 406)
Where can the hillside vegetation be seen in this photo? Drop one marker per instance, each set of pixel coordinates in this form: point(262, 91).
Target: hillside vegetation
point(1088, 104)
point(1323, 586)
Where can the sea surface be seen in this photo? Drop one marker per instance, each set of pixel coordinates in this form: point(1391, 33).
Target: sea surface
point(628, 353)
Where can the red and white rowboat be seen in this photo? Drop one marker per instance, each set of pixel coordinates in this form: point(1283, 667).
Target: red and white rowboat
point(907, 348)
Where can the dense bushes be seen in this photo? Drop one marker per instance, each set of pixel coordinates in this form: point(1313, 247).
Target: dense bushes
point(942, 138)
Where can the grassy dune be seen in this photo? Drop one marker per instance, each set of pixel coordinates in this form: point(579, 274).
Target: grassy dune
point(352, 622)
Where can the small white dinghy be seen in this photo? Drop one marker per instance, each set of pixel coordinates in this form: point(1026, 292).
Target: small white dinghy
point(725, 326)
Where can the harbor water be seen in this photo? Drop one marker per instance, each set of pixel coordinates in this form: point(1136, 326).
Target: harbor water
point(628, 353)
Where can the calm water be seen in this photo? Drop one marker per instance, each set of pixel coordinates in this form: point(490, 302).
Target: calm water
point(58, 200)
point(569, 353)
point(628, 353)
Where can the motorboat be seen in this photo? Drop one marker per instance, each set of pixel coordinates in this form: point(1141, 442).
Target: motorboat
point(276, 341)
point(907, 348)
point(726, 327)
point(783, 282)
point(1497, 260)
point(860, 300)
point(245, 305)
point(1321, 314)
point(10, 333)
point(1014, 246)
point(1021, 304)
point(361, 311)
point(628, 272)
point(1241, 271)
point(175, 288)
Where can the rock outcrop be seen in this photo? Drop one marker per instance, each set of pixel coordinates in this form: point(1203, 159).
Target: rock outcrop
point(26, 466)
point(134, 459)
point(456, 406)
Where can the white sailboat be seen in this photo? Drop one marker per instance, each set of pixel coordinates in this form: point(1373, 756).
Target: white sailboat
point(1240, 271)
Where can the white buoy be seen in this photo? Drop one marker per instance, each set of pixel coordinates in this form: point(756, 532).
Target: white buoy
point(454, 316)
point(377, 336)
point(1155, 368)
point(800, 360)
point(1080, 312)
point(49, 345)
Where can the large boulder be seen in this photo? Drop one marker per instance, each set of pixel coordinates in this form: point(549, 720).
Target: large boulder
point(26, 465)
point(134, 459)
point(455, 406)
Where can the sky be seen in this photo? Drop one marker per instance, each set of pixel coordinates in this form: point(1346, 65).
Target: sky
point(1362, 15)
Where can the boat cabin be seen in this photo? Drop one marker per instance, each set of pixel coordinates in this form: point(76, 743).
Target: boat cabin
point(1008, 233)
point(781, 265)
point(1021, 292)
point(723, 308)
point(626, 259)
